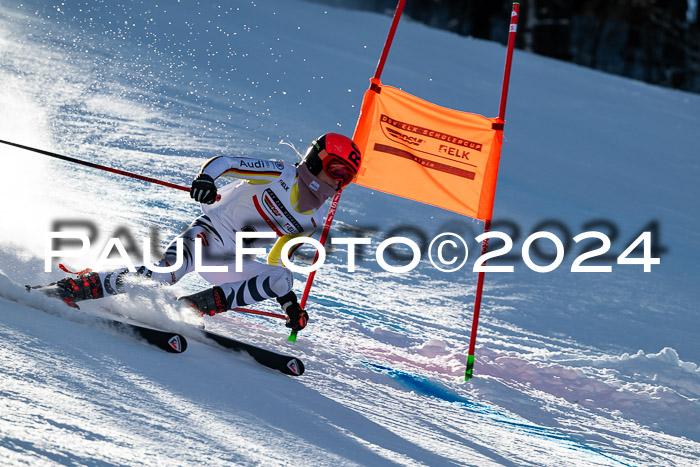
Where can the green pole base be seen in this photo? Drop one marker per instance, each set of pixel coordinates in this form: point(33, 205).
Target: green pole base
point(292, 336)
point(468, 373)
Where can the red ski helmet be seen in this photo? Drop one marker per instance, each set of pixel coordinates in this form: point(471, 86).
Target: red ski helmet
point(341, 162)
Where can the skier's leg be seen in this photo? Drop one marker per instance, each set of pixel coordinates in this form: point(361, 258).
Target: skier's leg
point(256, 282)
point(215, 249)
point(265, 281)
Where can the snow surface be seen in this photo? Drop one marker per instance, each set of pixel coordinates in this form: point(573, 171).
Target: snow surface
point(571, 368)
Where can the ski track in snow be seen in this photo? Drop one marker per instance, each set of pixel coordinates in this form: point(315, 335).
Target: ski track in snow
point(593, 370)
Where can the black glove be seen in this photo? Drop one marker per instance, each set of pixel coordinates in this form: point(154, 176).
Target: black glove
point(297, 317)
point(203, 189)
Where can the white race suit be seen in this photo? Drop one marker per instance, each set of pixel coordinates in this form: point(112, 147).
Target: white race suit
point(265, 198)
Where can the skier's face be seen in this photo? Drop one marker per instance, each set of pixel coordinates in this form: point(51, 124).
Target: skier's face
point(323, 176)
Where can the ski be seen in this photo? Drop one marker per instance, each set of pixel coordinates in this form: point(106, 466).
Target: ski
point(169, 341)
point(288, 365)
point(177, 343)
point(166, 340)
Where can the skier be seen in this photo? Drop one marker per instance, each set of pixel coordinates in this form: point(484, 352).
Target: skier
point(270, 196)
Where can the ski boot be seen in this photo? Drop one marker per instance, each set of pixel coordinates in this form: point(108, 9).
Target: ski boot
point(71, 290)
point(208, 302)
point(297, 316)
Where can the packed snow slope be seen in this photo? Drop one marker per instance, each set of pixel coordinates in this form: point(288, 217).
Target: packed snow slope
point(596, 368)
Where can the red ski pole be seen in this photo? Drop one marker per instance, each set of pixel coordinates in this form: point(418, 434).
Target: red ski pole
point(259, 312)
point(101, 167)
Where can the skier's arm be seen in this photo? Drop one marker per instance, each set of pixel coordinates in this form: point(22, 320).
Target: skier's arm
point(275, 255)
point(260, 170)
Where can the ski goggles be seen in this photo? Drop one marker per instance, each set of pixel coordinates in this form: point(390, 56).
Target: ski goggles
point(338, 169)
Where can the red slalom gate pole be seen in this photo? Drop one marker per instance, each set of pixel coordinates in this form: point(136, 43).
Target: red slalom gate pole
point(509, 59)
point(336, 198)
point(100, 167)
point(389, 39)
point(322, 240)
point(468, 373)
